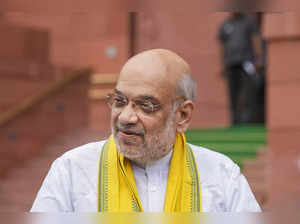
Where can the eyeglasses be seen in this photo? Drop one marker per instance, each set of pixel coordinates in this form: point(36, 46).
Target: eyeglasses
point(117, 101)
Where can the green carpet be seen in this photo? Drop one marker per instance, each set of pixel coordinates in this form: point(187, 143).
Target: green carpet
point(239, 143)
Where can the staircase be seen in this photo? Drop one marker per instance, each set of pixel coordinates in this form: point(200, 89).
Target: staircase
point(256, 170)
point(19, 188)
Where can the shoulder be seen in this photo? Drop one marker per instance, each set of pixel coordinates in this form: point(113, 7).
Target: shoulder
point(84, 151)
point(223, 186)
point(70, 182)
point(211, 158)
point(83, 156)
point(250, 23)
point(214, 166)
point(78, 160)
point(226, 22)
point(223, 26)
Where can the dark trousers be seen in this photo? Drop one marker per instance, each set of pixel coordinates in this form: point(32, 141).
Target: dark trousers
point(242, 92)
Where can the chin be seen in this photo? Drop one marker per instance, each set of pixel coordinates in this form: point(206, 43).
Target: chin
point(135, 157)
point(129, 151)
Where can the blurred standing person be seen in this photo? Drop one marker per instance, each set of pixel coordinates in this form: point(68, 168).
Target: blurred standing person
point(241, 52)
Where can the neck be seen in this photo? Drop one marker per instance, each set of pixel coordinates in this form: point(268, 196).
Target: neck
point(144, 162)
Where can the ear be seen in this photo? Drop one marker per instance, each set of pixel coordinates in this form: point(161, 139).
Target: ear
point(184, 116)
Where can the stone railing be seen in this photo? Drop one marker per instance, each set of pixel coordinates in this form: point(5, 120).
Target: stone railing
point(28, 126)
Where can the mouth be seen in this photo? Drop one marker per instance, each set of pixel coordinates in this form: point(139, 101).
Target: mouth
point(128, 133)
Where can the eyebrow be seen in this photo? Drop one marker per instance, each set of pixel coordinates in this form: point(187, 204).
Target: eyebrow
point(142, 97)
point(118, 92)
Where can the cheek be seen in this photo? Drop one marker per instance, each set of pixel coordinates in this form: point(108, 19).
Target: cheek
point(113, 122)
point(154, 125)
point(114, 117)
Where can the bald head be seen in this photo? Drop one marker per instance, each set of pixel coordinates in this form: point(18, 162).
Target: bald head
point(159, 60)
point(163, 67)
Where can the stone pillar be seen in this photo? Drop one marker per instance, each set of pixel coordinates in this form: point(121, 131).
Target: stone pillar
point(283, 109)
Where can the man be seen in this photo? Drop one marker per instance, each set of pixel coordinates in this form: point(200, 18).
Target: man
point(146, 165)
point(241, 51)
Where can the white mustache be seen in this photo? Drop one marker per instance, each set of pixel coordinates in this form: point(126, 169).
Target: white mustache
point(129, 130)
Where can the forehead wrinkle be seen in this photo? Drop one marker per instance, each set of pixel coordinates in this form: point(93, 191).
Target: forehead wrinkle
point(145, 90)
point(142, 96)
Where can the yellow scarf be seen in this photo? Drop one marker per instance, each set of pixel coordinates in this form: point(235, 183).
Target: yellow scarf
point(117, 190)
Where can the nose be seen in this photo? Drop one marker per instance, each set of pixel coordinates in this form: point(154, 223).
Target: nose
point(128, 115)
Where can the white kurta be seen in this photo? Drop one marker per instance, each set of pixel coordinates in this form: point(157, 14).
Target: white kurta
point(71, 184)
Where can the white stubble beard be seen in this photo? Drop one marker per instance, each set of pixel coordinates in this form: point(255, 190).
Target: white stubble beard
point(155, 146)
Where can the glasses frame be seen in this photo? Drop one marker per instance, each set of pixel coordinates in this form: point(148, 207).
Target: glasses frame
point(154, 106)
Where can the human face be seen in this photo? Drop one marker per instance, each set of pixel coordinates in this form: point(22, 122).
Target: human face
point(140, 136)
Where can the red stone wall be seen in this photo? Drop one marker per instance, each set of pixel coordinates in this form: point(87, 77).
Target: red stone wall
point(80, 39)
point(283, 109)
point(24, 67)
point(17, 42)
